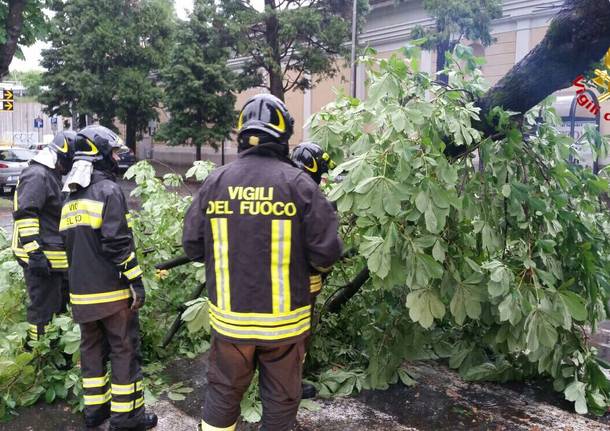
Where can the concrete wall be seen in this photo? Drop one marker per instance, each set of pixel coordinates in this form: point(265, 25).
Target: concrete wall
point(18, 126)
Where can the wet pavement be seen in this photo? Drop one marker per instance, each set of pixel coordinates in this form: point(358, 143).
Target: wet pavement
point(440, 401)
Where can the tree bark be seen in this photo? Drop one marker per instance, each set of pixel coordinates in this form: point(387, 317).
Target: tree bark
point(577, 37)
point(441, 49)
point(198, 151)
point(131, 131)
point(276, 83)
point(14, 23)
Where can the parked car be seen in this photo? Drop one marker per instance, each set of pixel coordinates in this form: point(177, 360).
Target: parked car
point(127, 159)
point(12, 162)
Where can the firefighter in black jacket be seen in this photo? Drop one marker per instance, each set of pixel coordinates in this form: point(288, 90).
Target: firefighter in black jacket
point(106, 287)
point(37, 243)
point(259, 223)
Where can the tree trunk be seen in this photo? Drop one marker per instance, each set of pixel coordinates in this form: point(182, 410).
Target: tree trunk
point(14, 23)
point(578, 37)
point(441, 49)
point(198, 151)
point(131, 131)
point(276, 83)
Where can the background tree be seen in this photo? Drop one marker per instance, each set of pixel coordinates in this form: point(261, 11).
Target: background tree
point(31, 80)
point(104, 58)
point(22, 22)
point(198, 83)
point(292, 42)
point(455, 20)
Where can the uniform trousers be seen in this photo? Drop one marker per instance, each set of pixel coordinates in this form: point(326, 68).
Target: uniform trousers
point(115, 338)
point(231, 369)
point(46, 298)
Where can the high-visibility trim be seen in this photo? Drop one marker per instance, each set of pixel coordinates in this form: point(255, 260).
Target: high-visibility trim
point(125, 407)
point(281, 238)
point(99, 298)
point(27, 222)
point(315, 283)
point(126, 389)
point(260, 319)
point(133, 273)
point(81, 212)
point(29, 231)
point(221, 262)
point(208, 427)
point(322, 269)
point(31, 246)
point(131, 257)
point(93, 400)
point(254, 332)
point(95, 382)
point(58, 259)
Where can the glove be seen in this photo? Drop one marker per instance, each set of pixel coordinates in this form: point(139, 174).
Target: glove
point(38, 264)
point(138, 296)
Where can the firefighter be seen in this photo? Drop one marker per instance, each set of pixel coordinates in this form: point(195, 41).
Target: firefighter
point(37, 243)
point(310, 157)
point(315, 162)
point(106, 287)
point(259, 223)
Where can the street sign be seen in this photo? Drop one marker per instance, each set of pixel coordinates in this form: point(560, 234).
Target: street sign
point(7, 105)
point(38, 123)
point(7, 94)
point(54, 120)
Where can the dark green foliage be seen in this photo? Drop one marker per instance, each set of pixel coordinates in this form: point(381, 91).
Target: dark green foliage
point(456, 20)
point(199, 85)
point(104, 60)
point(22, 22)
point(294, 43)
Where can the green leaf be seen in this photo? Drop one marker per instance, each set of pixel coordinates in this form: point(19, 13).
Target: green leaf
point(506, 190)
point(405, 378)
point(575, 304)
point(575, 392)
point(422, 201)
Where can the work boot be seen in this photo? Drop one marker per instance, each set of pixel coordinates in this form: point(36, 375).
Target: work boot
point(309, 391)
point(95, 420)
point(150, 421)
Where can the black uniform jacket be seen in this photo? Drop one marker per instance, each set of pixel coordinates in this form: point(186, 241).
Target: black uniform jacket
point(36, 211)
point(99, 242)
point(260, 224)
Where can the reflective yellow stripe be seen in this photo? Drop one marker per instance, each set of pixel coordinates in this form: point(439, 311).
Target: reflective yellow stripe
point(95, 382)
point(98, 298)
point(253, 332)
point(92, 400)
point(29, 231)
point(27, 222)
point(208, 427)
point(58, 259)
point(133, 273)
point(31, 246)
point(131, 256)
point(81, 212)
point(126, 389)
point(221, 262)
point(281, 237)
point(123, 407)
point(260, 319)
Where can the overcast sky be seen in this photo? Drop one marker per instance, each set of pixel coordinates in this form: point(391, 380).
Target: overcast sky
point(32, 53)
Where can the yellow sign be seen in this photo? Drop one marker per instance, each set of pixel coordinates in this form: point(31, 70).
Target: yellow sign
point(602, 79)
point(7, 94)
point(7, 105)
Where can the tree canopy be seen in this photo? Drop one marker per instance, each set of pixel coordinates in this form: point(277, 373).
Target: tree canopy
point(456, 20)
point(199, 85)
point(105, 58)
point(22, 22)
point(291, 44)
